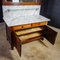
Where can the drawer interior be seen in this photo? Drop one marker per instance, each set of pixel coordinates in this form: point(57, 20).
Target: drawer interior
point(29, 33)
point(29, 36)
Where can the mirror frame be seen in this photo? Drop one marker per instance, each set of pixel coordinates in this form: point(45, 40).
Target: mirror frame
point(20, 3)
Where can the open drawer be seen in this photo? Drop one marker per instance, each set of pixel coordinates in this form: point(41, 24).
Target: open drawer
point(28, 35)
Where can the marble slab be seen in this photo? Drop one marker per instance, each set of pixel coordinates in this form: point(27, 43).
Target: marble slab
point(19, 15)
point(25, 20)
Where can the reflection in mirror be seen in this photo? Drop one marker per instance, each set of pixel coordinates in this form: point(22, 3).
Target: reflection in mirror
point(15, 0)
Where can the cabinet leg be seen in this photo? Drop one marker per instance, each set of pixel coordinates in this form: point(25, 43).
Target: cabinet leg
point(20, 51)
point(18, 47)
point(12, 41)
point(12, 47)
point(6, 32)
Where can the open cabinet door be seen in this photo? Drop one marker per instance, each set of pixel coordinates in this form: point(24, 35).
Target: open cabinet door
point(49, 34)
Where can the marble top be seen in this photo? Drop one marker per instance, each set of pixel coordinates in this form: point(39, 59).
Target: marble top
point(21, 20)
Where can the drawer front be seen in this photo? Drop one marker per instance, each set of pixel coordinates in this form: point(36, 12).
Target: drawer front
point(17, 27)
point(39, 24)
point(43, 23)
point(27, 26)
point(35, 24)
point(21, 27)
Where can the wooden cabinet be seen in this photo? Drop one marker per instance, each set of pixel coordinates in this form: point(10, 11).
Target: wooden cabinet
point(29, 34)
point(35, 33)
point(18, 35)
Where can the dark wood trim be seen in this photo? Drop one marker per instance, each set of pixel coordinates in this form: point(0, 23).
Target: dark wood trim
point(49, 34)
point(23, 3)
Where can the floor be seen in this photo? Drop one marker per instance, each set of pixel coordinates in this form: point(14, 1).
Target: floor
point(37, 50)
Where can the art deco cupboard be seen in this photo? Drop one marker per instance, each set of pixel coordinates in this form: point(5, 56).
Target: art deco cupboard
point(28, 28)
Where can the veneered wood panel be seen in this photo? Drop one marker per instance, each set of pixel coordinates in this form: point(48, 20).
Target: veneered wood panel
point(29, 25)
point(49, 34)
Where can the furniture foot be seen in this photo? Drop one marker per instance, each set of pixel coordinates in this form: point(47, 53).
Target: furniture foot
point(20, 51)
point(12, 47)
point(42, 38)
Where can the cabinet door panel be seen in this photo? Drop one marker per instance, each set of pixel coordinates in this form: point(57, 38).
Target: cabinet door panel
point(49, 34)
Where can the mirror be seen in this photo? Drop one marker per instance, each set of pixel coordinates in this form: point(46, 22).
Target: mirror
point(23, 0)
